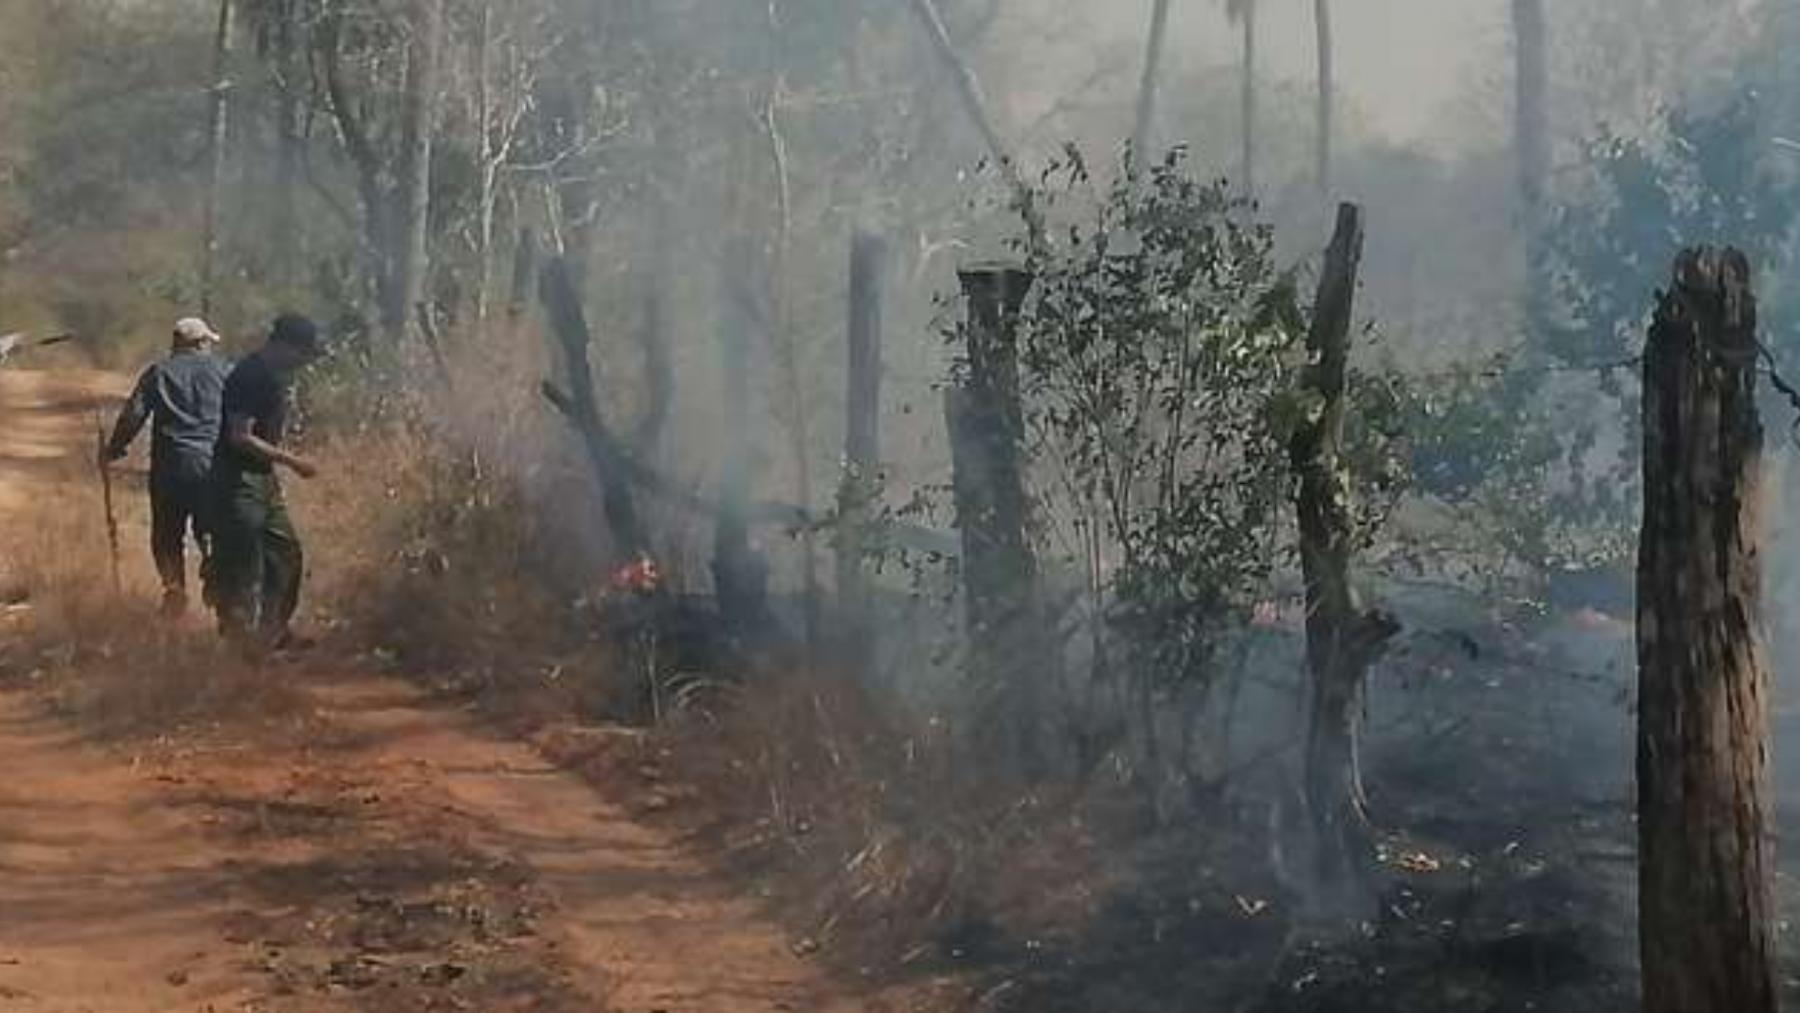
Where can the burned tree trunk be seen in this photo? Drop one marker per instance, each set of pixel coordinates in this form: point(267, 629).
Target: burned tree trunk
point(740, 574)
point(1008, 651)
point(580, 405)
point(1342, 639)
point(524, 268)
point(1704, 896)
point(654, 339)
point(862, 446)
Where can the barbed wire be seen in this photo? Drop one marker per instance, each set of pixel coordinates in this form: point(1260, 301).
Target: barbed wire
point(1770, 367)
point(1784, 388)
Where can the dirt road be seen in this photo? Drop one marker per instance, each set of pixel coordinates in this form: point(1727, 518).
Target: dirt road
point(373, 850)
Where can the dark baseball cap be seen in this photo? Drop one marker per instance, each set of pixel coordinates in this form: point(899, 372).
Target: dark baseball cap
point(299, 333)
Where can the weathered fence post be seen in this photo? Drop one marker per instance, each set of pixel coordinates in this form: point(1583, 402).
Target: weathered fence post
point(862, 447)
point(1008, 651)
point(1704, 889)
point(1342, 639)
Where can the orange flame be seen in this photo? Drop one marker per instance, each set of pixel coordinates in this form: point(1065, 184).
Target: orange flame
point(640, 576)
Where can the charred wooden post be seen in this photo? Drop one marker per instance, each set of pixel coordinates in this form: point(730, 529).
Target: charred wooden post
point(580, 405)
point(999, 567)
point(740, 574)
point(862, 446)
point(1704, 896)
point(1342, 638)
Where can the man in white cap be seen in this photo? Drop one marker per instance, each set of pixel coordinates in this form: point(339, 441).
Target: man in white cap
point(182, 394)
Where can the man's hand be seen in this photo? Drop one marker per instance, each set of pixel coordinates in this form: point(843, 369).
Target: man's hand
point(303, 467)
point(110, 454)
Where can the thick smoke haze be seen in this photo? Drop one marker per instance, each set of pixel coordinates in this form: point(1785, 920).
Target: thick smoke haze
point(1402, 65)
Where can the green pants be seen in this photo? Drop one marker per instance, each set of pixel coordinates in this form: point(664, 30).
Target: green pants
point(257, 561)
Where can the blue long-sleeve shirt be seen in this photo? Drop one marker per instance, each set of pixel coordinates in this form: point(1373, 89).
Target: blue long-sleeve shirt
point(182, 393)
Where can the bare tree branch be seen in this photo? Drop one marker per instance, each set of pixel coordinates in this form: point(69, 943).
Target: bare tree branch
point(969, 89)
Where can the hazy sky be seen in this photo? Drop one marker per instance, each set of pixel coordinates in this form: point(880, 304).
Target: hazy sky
point(1399, 62)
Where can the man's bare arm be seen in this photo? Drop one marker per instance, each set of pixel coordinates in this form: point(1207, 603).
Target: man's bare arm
point(241, 433)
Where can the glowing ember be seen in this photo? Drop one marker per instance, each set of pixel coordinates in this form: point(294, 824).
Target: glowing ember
point(640, 576)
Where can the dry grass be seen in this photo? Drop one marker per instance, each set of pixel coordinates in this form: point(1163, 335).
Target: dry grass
point(886, 835)
point(894, 846)
point(446, 535)
point(104, 656)
point(442, 544)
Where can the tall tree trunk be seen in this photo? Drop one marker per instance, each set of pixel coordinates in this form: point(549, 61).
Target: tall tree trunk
point(1010, 657)
point(1531, 141)
point(1141, 155)
point(1531, 127)
point(378, 217)
point(1704, 897)
point(580, 405)
point(1247, 92)
point(862, 445)
point(290, 144)
point(412, 244)
point(1327, 86)
point(1342, 639)
point(216, 130)
point(798, 410)
point(487, 166)
point(740, 574)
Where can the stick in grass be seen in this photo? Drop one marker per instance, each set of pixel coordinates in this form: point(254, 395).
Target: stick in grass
point(106, 496)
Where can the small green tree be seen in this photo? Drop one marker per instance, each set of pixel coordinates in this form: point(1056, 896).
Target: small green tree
point(1157, 351)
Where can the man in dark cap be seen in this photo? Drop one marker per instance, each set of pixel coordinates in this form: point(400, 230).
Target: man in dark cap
point(259, 563)
point(181, 394)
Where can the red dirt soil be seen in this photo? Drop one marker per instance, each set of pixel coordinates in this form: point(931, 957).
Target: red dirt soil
point(377, 851)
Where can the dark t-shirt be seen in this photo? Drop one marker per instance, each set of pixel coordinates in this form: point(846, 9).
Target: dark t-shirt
point(254, 390)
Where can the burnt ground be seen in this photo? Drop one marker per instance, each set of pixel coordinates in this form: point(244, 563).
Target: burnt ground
point(1498, 761)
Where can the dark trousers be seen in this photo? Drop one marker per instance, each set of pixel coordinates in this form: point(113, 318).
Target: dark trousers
point(180, 503)
point(257, 558)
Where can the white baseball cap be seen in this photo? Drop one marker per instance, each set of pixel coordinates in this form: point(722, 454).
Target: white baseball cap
point(194, 331)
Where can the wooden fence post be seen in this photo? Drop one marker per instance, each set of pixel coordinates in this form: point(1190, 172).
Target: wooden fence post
point(862, 447)
point(1704, 889)
point(1008, 650)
